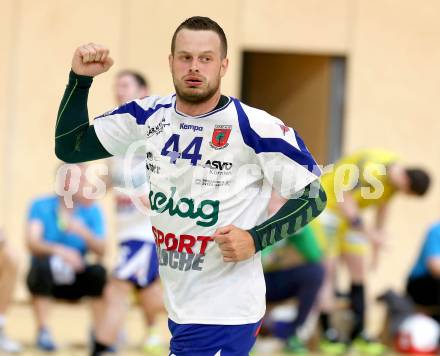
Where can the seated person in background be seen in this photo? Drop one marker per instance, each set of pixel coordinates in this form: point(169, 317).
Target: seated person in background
point(423, 284)
point(8, 276)
point(60, 234)
point(292, 268)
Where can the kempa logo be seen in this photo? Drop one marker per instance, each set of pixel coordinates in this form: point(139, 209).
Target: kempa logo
point(191, 127)
point(207, 210)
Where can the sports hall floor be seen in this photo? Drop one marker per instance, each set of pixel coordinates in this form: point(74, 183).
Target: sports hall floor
point(70, 326)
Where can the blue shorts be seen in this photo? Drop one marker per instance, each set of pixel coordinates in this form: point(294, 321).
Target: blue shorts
point(212, 340)
point(137, 263)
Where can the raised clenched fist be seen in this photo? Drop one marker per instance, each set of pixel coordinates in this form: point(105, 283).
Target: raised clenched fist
point(91, 60)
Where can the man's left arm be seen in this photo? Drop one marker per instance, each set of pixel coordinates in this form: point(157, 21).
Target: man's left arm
point(92, 235)
point(292, 216)
point(293, 173)
point(237, 244)
point(93, 242)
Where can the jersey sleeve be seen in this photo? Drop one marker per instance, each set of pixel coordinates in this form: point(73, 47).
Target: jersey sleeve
point(125, 125)
point(286, 162)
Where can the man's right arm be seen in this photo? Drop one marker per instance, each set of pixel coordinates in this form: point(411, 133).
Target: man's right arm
point(39, 247)
point(75, 139)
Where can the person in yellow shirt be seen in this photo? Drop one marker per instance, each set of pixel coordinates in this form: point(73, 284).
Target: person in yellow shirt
point(368, 178)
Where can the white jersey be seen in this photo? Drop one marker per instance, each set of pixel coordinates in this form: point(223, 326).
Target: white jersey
point(207, 172)
point(129, 182)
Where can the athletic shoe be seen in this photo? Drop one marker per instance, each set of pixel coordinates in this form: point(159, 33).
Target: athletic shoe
point(153, 344)
point(45, 341)
point(365, 346)
point(295, 346)
point(92, 344)
point(332, 347)
point(8, 345)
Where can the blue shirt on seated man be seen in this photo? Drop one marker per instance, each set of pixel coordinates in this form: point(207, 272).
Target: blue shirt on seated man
point(423, 284)
point(67, 229)
point(61, 234)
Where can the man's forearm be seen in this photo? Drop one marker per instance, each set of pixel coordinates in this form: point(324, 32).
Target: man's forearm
point(75, 138)
point(42, 248)
point(94, 244)
point(433, 264)
point(293, 215)
point(350, 210)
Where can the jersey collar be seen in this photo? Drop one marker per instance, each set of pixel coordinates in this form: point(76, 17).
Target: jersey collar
point(222, 104)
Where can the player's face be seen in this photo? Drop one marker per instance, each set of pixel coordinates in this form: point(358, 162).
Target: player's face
point(127, 89)
point(400, 179)
point(197, 65)
point(405, 185)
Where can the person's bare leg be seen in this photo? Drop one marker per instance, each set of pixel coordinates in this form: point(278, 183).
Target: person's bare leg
point(326, 295)
point(356, 267)
point(97, 308)
point(8, 277)
point(115, 308)
point(151, 302)
point(41, 306)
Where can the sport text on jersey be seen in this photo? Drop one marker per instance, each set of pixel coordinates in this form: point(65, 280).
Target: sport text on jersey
point(183, 252)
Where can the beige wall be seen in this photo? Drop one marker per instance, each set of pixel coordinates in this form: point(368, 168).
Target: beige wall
point(7, 50)
point(393, 81)
point(297, 25)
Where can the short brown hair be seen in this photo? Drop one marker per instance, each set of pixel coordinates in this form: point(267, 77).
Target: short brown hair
point(140, 80)
point(419, 180)
point(200, 23)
